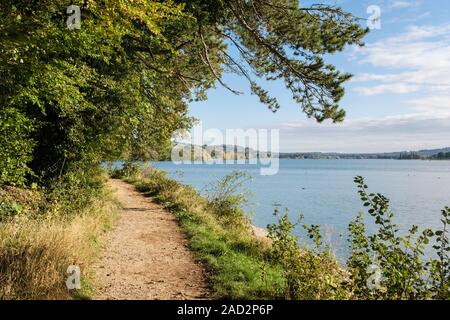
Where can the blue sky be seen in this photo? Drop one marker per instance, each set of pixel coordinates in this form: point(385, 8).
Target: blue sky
point(399, 98)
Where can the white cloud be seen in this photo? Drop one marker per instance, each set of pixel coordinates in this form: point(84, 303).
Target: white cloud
point(439, 106)
point(426, 126)
point(402, 4)
point(387, 88)
point(416, 60)
point(385, 134)
point(409, 18)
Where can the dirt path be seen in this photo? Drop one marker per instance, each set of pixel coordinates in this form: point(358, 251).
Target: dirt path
point(146, 255)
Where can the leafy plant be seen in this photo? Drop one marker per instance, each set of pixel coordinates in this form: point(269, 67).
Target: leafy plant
point(226, 197)
point(405, 271)
point(309, 274)
point(9, 210)
point(128, 170)
point(16, 146)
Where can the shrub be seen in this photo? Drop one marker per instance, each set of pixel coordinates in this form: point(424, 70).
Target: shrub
point(128, 170)
point(75, 191)
point(386, 265)
point(309, 273)
point(227, 197)
point(15, 146)
point(9, 210)
point(16, 202)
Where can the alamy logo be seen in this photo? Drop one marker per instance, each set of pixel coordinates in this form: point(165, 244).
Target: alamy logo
point(374, 20)
point(74, 20)
point(74, 279)
point(376, 275)
point(234, 146)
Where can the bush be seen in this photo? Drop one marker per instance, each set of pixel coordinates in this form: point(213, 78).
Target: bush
point(16, 202)
point(9, 210)
point(227, 197)
point(128, 170)
point(309, 274)
point(386, 265)
point(15, 146)
point(75, 191)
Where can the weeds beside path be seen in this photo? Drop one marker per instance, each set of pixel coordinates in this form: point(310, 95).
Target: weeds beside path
point(146, 256)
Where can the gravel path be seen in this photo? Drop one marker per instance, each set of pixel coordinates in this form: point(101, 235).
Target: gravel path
point(146, 256)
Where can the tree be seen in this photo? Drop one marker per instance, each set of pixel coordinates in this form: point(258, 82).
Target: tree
point(119, 86)
point(281, 40)
point(441, 156)
point(91, 94)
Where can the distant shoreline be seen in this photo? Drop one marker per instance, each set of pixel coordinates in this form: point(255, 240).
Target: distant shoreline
point(235, 152)
point(225, 162)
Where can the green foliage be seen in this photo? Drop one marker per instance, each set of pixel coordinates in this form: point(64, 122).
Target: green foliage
point(309, 274)
point(119, 87)
point(281, 40)
point(401, 259)
point(9, 210)
point(237, 266)
point(226, 197)
point(87, 91)
point(75, 191)
point(410, 156)
point(17, 203)
point(441, 156)
point(15, 146)
point(129, 170)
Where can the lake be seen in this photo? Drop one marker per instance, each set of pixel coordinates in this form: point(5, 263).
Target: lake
point(324, 191)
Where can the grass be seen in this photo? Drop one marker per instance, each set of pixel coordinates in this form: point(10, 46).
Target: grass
point(37, 246)
point(235, 261)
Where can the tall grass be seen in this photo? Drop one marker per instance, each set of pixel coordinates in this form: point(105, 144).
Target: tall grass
point(37, 246)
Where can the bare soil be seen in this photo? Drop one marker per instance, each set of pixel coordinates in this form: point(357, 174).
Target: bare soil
point(146, 256)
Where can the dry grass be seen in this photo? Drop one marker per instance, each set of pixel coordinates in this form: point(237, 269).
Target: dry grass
point(36, 252)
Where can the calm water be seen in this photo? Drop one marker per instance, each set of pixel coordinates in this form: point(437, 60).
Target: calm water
point(323, 190)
